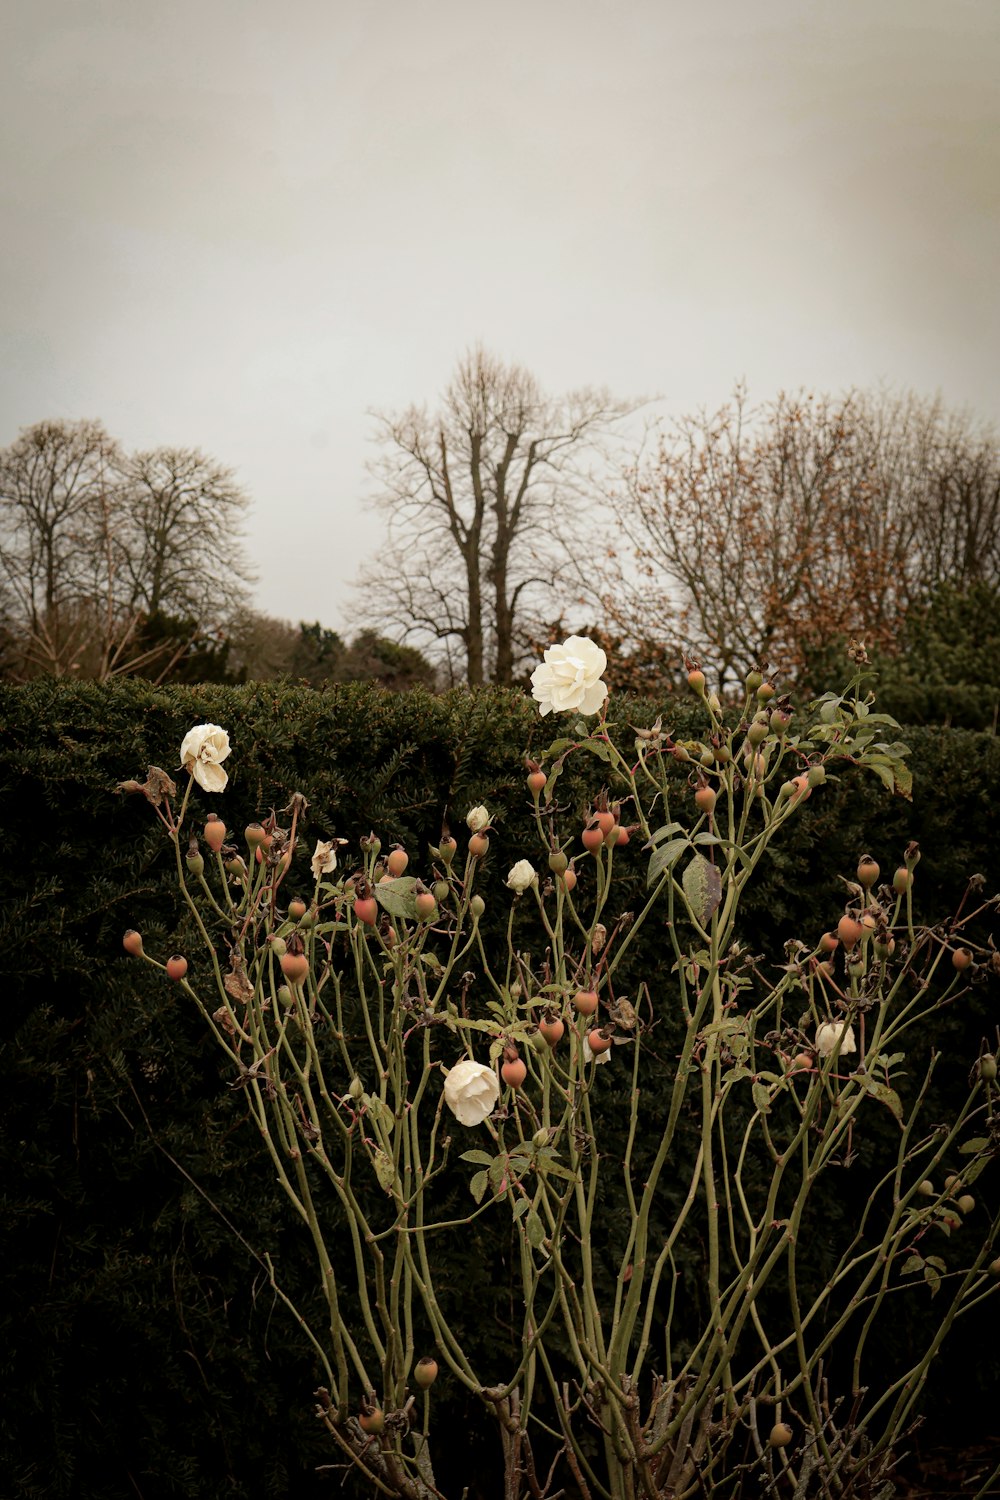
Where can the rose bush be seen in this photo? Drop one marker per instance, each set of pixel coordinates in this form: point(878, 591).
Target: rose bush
point(343, 1011)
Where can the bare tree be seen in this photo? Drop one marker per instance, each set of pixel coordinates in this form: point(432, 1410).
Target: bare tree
point(183, 554)
point(95, 543)
point(773, 532)
point(478, 495)
point(60, 505)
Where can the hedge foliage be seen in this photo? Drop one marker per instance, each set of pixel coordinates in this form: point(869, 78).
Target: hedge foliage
point(142, 1352)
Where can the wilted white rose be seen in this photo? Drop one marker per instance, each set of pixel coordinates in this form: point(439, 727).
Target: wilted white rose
point(570, 677)
point(324, 859)
point(828, 1034)
point(471, 1091)
point(203, 748)
point(595, 1057)
point(478, 818)
point(521, 876)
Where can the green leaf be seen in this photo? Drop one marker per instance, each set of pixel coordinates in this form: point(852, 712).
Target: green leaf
point(904, 782)
point(385, 1171)
point(397, 896)
point(663, 859)
point(379, 1112)
point(883, 1093)
point(497, 1173)
point(933, 1279)
point(911, 1264)
point(556, 1169)
point(660, 834)
point(890, 768)
point(478, 1158)
point(477, 1187)
point(521, 1207)
point(974, 1169)
point(703, 888)
point(936, 1260)
point(761, 1097)
point(598, 748)
point(883, 771)
point(466, 1023)
point(535, 1230)
point(969, 1148)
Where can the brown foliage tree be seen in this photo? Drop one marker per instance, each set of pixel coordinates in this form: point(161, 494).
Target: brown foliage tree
point(771, 533)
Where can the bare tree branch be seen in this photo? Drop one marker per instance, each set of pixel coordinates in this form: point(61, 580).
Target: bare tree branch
point(473, 495)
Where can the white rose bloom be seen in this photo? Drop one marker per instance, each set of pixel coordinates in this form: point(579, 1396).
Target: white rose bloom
point(828, 1035)
point(471, 1091)
point(595, 1057)
point(478, 818)
point(569, 678)
point(324, 859)
point(521, 876)
point(204, 747)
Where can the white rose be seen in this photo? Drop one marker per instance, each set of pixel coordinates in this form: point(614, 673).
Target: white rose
point(471, 1091)
point(569, 677)
point(324, 859)
point(203, 748)
point(828, 1035)
point(478, 818)
point(521, 876)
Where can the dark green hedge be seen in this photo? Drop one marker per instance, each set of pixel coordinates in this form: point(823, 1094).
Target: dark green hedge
point(141, 1352)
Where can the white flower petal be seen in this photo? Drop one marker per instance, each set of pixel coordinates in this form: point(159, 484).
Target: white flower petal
point(210, 775)
point(593, 697)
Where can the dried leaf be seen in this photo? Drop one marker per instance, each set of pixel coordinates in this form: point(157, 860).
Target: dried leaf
point(384, 1169)
point(238, 986)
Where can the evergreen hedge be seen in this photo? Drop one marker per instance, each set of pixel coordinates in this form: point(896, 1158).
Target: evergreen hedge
point(142, 1352)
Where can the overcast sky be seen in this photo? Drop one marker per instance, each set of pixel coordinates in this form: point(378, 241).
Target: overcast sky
point(242, 224)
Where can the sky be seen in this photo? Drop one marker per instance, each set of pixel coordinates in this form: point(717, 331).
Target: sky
point(245, 226)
